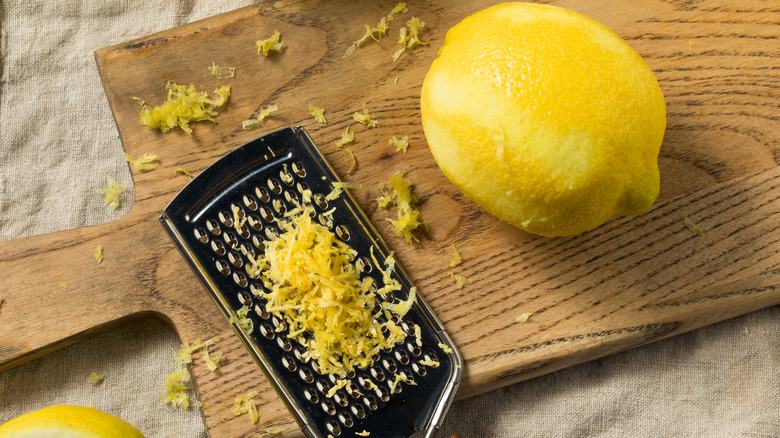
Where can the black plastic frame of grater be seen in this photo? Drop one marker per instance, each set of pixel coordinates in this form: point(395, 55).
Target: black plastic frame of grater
point(193, 221)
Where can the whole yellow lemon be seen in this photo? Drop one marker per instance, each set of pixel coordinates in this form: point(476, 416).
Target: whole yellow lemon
point(65, 421)
point(545, 118)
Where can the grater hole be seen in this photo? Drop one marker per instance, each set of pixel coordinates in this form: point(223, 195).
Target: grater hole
point(223, 266)
point(419, 369)
point(342, 232)
point(254, 222)
point(230, 238)
point(270, 233)
point(341, 398)
point(243, 231)
point(275, 185)
point(213, 226)
point(262, 193)
point(370, 402)
point(311, 395)
point(408, 326)
point(256, 289)
point(299, 354)
point(388, 296)
point(240, 279)
point(250, 202)
point(302, 186)
point(384, 394)
point(237, 210)
point(306, 375)
point(364, 264)
point(351, 374)
point(407, 374)
point(279, 206)
point(395, 319)
point(279, 324)
point(267, 214)
point(201, 235)
point(258, 242)
point(346, 419)
point(321, 201)
point(235, 259)
point(247, 250)
point(323, 386)
point(324, 221)
point(430, 355)
point(218, 247)
point(245, 298)
point(413, 348)
point(286, 177)
point(284, 343)
point(377, 373)
point(291, 197)
point(298, 168)
point(365, 382)
point(261, 312)
point(358, 411)
point(266, 330)
point(389, 365)
point(225, 218)
point(333, 426)
point(289, 362)
point(402, 356)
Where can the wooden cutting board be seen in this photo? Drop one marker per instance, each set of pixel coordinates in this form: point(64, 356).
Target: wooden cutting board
point(630, 282)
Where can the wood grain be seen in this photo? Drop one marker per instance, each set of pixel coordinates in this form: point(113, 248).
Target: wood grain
point(632, 281)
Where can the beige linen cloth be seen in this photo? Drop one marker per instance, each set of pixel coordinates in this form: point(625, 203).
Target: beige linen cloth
point(57, 144)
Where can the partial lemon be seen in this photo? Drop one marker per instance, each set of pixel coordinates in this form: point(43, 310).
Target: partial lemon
point(545, 118)
point(68, 422)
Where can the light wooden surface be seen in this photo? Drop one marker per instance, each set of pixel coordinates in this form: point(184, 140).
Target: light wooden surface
point(632, 281)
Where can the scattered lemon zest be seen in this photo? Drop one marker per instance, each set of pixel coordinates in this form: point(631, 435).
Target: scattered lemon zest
point(222, 72)
point(339, 187)
point(385, 198)
point(273, 432)
point(365, 118)
point(523, 317)
point(346, 138)
point(445, 348)
point(340, 383)
point(95, 378)
point(379, 30)
point(364, 433)
point(248, 125)
point(99, 252)
point(146, 163)
point(112, 191)
point(692, 226)
point(460, 280)
point(417, 335)
point(409, 217)
point(395, 81)
point(354, 165)
point(456, 259)
point(401, 144)
point(691, 44)
point(318, 114)
point(411, 38)
point(211, 361)
point(63, 285)
point(269, 45)
point(181, 171)
point(240, 319)
point(244, 404)
point(184, 105)
point(200, 404)
point(176, 384)
point(430, 363)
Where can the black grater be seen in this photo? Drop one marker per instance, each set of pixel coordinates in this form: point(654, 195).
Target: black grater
point(261, 180)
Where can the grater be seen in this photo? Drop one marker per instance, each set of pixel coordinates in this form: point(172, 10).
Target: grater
point(262, 180)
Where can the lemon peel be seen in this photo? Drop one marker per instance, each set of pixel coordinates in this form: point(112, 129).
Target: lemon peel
point(68, 421)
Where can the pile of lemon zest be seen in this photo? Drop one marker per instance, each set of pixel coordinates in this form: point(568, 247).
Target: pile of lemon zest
point(314, 285)
point(99, 253)
point(176, 389)
point(184, 105)
point(430, 363)
point(63, 285)
point(181, 171)
point(354, 165)
point(379, 30)
point(401, 144)
point(248, 125)
point(222, 72)
point(456, 259)
point(269, 45)
point(409, 217)
point(240, 319)
point(364, 433)
point(145, 163)
point(112, 191)
point(346, 138)
point(692, 226)
point(95, 378)
point(365, 118)
point(318, 114)
point(244, 404)
point(460, 280)
point(445, 348)
point(523, 318)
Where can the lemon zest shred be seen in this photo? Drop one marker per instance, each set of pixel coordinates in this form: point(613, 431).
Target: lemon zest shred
point(112, 191)
point(99, 252)
point(364, 433)
point(378, 31)
point(273, 432)
point(385, 198)
point(222, 72)
point(63, 285)
point(346, 138)
point(409, 219)
point(365, 118)
point(445, 348)
point(523, 317)
point(401, 144)
point(146, 163)
point(351, 155)
point(456, 259)
point(411, 38)
point(318, 114)
point(240, 319)
point(181, 171)
point(460, 280)
point(248, 125)
point(95, 378)
point(184, 105)
point(271, 44)
point(692, 226)
point(430, 363)
point(244, 404)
